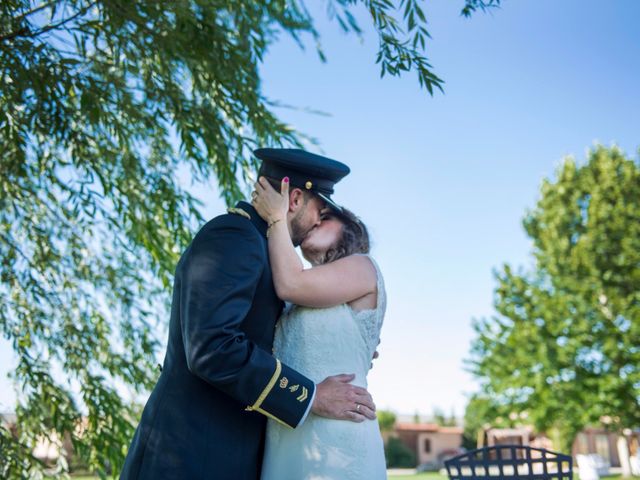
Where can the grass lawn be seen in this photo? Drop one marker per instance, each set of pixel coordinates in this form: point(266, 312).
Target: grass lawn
point(419, 476)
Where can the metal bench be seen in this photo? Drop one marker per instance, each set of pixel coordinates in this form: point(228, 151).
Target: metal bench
point(511, 462)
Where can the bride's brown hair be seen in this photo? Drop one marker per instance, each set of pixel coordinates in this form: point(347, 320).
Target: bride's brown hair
point(354, 239)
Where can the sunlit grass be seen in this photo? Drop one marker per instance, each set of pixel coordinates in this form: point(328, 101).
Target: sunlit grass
point(419, 476)
point(416, 476)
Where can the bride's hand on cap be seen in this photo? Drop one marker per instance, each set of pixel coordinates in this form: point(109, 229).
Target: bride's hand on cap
point(271, 205)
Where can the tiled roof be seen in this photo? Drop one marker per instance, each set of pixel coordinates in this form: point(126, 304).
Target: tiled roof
point(427, 427)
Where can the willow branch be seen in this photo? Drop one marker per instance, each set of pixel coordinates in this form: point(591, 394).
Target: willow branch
point(27, 33)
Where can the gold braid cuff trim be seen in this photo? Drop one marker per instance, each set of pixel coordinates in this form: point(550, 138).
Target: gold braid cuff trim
point(239, 211)
point(267, 389)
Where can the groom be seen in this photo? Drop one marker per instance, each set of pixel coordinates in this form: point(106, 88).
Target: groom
point(206, 416)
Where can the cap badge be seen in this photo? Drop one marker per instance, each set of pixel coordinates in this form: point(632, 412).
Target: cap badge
point(308, 185)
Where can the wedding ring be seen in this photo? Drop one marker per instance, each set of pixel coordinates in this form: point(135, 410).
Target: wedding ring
point(254, 194)
point(357, 407)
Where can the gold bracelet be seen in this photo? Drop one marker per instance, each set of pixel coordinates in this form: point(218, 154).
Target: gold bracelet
point(271, 224)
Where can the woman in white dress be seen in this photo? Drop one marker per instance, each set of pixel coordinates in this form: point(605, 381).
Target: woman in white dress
point(332, 327)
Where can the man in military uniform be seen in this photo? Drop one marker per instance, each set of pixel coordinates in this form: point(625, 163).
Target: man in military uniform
point(206, 415)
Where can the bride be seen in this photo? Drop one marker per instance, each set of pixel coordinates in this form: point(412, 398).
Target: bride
point(333, 326)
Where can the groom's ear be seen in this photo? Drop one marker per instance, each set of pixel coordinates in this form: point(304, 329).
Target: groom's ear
point(297, 198)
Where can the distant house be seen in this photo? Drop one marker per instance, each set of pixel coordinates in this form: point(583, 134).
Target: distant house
point(429, 442)
point(604, 443)
point(8, 421)
point(589, 441)
point(48, 449)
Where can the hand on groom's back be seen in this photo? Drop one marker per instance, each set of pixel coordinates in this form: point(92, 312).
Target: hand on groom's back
point(337, 398)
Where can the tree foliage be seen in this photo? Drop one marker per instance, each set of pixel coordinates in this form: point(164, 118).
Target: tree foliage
point(565, 347)
point(480, 413)
point(397, 455)
point(440, 418)
point(386, 420)
point(102, 104)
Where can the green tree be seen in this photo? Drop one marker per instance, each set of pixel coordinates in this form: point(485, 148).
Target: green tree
point(398, 455)
point(386, 420)
point(440, 418)
point(102, 103)
point(565, 347)
point(452, 421)
point(480, 413)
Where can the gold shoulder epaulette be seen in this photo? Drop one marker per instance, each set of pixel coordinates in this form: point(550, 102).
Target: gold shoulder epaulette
point(239, 211)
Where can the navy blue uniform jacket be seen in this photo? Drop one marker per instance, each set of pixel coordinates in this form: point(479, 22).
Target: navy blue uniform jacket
point(206, 415)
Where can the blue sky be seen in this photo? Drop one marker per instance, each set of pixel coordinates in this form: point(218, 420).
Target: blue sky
point(443, 182)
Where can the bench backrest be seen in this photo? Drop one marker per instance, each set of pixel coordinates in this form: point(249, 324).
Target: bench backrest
point(510, 461)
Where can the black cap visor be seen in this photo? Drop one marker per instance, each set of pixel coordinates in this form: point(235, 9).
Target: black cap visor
point(330, 203)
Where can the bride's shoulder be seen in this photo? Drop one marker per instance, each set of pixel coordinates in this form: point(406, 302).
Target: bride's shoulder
point(362, 262)
point(370, 265)
point(365, 259)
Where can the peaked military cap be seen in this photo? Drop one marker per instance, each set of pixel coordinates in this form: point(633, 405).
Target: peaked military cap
point(305, 170)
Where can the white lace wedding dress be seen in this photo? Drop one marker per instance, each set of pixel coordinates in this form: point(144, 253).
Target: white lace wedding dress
point(320, 342)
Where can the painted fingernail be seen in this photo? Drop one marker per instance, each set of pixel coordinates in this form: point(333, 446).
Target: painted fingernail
point(286, 179)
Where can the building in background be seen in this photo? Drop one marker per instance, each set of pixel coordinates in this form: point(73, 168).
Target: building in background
point(591, 441)
point(47, 449)
point(431, 443)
